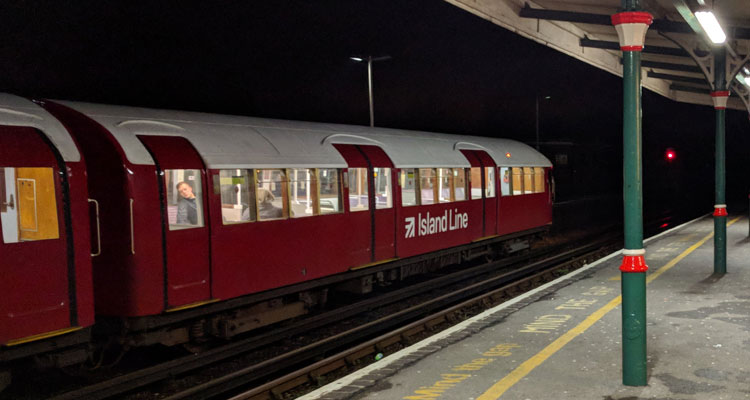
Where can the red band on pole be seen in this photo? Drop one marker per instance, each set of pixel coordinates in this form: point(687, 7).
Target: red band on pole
point(720, 93)
point(720, 212)
point(631, 48)
point(632, 17)
point(634, 264)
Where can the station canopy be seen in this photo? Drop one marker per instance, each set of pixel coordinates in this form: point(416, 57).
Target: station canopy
point(676, 59)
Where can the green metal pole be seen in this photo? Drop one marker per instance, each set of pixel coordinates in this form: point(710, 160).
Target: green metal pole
point(634, 267)
point(720, 213)
point(631, 25)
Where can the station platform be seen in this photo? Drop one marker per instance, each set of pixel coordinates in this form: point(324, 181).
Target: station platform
point(563, 340)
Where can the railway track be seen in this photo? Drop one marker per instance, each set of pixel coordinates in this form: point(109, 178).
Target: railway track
point(477, 287)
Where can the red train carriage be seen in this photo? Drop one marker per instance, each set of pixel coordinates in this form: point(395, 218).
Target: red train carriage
point(215, 223)
point(45, 251)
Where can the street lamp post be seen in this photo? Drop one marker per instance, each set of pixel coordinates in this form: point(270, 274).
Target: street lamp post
point(370, 60)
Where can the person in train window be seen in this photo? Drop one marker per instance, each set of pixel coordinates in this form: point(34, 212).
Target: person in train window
point(187, 208)
point(266, 210)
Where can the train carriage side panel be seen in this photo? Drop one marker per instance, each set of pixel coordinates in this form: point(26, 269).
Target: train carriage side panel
point(128, 274)
point(46, 285)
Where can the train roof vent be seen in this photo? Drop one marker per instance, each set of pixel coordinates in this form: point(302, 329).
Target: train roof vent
point(146, 127)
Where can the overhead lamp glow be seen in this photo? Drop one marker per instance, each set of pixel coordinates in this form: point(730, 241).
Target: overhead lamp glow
point(742, 79)
point(357, 59)
point(711, 26)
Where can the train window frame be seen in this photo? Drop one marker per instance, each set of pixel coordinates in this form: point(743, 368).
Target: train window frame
point(459, 174)
point(539, 180)
point(44, 195)
point(517, 181)
point(475, 183)
point(242, 180)
point(433, 179)
point(322, 187)
point(263, 202)
point(489, 181)
point(310, 183)
point(388, 192)
point(445, 181)
point(355, 183)
point(174, 179)
point(506, 183)
point(403, 179)
point(528, 180)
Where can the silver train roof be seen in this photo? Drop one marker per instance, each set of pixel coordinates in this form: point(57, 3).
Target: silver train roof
point(226, 141)
point(18, 111)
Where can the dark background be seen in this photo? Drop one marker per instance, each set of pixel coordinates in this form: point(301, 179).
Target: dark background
point(450, 72)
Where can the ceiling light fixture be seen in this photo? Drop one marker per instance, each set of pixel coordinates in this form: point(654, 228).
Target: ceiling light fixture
point(711, 26)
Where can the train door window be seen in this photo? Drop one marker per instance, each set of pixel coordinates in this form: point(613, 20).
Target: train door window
point(445, 185)
point(505, 182)
point(271, 194)
point(517, 181)
point(428, 185)
point(475, 179)
point(489, 179)
point(237, 200)
point(302, 192)
point(184, 194)
point(383, 197)
point(358, 200)
point(538, 180)
point(409, 187)
point(459, 182)
point(29, 206)
point(329, 191)
point(528, 180)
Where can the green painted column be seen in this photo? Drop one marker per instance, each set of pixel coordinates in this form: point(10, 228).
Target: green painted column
point(720, 96)
point(631, 26)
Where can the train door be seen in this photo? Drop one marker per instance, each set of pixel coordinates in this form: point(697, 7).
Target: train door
point(483, 186)
point(370, 189)
point(182, 192)
point(384, 214)
point(34, 243)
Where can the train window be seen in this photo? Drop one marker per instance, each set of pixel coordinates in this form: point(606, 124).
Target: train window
point(505, 184)
point(517, 181)
point(184, 194)
point(459, 181)
point(427, 185)
point(538, 180)
point(329, 191)
point(358, 200)
point(237, 200)
point(302, 192)
point(383, 191)
point(489, 179)
point(409, 187)
point(29, 211)
point(475, 179)
point(272, 194)
point(445, 185)
point(528, 180)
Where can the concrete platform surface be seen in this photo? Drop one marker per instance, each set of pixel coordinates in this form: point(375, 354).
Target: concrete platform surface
point(563, 340)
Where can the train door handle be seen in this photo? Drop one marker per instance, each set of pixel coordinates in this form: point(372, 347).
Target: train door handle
point(98, 230)
point(10, 204)
point(132, 229)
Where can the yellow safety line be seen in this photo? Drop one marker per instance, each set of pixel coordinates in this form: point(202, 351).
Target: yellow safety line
point(41, 336)
point(522, 370)
point(191, 305)
point(372, 264)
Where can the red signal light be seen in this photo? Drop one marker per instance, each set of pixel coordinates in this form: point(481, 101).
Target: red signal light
point(670, 155)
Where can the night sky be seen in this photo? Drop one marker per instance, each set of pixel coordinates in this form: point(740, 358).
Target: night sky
point(450, 72)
